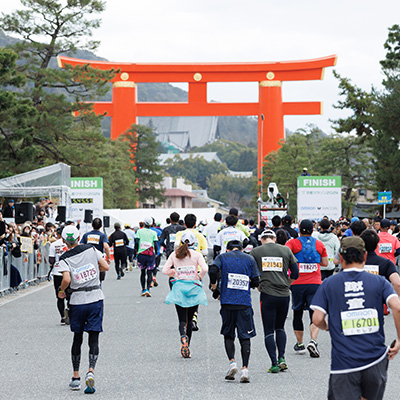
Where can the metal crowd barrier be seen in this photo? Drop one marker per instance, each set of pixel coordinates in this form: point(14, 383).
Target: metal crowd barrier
point(31, 271)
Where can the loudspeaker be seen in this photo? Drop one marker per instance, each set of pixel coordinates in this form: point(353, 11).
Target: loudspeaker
point(106, 221)
point(23, 212)
point(88, 216)
point(61, 213)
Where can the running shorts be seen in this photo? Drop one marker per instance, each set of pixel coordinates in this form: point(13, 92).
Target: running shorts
point(242, 320)
point(302, 296)
point(146, 262)
point(86, 317)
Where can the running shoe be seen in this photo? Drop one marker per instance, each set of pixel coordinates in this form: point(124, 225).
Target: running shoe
point(274, 369)
point(155, 283)
point(232, 371)
point(119, 277)
point(185, 351)
point(62, 322)
point(195, 327)
point(89, 383)
point(299, 348)
point(66, 316)
point(312, 348)
point(75, 384)
point(147, 294)
point(122, 272)
point(130, 267)
point(282, 364)
point(143, 292)
point(244, 376)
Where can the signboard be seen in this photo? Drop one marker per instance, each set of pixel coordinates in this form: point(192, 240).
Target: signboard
point(318, 196)
point(86, 194)
point(384, 197)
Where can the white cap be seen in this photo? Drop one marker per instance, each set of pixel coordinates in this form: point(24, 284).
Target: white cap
point(188, 236)
point(148, 221)
point(70, 234)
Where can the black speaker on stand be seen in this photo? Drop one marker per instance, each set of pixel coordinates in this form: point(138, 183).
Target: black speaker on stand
point(106, 221)
point(61, 213)
point(23, 212)
point(88, 216)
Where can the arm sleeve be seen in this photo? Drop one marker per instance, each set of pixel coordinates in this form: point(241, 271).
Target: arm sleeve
point(83, 240)
point(163, 236)
point(168, 265)
point(214, 270)
point(294, 271)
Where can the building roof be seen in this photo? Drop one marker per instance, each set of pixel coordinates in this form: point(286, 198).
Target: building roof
point(178, 193)
point(209, 156)
point(201, 130)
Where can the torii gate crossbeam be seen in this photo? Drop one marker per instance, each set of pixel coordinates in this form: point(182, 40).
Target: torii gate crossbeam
point(124, 107)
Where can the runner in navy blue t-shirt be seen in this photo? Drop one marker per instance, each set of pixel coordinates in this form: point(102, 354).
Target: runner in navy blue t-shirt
point(354, 299)
point(238, 273)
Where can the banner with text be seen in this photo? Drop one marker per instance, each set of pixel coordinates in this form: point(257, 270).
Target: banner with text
point(86, 194)
point(318, 196)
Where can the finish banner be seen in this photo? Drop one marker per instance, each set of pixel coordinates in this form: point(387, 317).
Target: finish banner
point(86, 194)
point(318, 196)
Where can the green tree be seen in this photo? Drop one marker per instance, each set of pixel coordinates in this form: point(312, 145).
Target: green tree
point(144, 157)
point(194, 169)
point(16, 114)
point(48, 28)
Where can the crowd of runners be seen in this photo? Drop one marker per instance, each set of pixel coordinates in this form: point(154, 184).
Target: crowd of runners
point(345, 270)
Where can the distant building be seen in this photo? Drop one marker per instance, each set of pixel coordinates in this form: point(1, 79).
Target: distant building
point(183, 133)
point(177, 197)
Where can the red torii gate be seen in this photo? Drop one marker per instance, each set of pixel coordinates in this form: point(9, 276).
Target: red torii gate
point(270, 109)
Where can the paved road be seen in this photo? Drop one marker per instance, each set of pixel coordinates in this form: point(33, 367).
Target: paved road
point(139, 352)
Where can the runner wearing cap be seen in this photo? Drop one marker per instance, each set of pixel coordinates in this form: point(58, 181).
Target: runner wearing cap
point(389, 245)
point(81, 266)
point(274, 262)
point(238, 273)
point(186, 266)
point(146, 244)
point(353, 300)
point(311, 254)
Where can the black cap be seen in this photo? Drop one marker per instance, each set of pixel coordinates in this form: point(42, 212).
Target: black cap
point(306, 227)
point(287, 219)
point(385, 223)
point(232, 244)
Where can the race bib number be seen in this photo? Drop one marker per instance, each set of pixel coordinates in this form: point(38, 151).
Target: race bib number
point(172, 237)
point(93, 239)
point(119, 242)
point(86, 273)
point(272, 264)
point(372, 269)
point(385, 247)
point(186, 272)
point(238, 281)
point(307, 268)
point(360, 322)
point(145, 245)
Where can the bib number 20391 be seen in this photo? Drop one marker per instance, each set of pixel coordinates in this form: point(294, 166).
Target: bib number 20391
point(238, 281)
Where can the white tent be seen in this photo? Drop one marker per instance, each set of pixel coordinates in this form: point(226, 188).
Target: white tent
point(52, 181)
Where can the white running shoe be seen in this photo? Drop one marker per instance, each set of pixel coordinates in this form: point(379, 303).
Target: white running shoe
point(244, 376)
point(75, 384)
point(232, 371)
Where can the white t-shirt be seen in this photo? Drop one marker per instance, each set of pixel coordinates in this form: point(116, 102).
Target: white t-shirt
point(57, 248)
point(210, 232)
point(228, 234)
point(82, 262)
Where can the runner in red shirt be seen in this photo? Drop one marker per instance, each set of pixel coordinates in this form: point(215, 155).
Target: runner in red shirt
point(389, 245)
point(311, 254)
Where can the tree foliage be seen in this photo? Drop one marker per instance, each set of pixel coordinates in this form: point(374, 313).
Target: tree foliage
point(236, 156)
point(144, 157)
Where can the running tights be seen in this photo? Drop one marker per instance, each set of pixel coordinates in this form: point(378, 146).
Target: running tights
point(143, 274)
point(244, 347)
point(274, 311)
point(120, 262)
point(185, 316)
point(93, 349)
point(298, 319)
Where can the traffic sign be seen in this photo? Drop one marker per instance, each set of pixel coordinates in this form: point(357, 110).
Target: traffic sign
point(384, 197)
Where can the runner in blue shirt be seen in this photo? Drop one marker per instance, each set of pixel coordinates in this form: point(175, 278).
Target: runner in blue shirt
point(354, 299)
point(238, 273)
